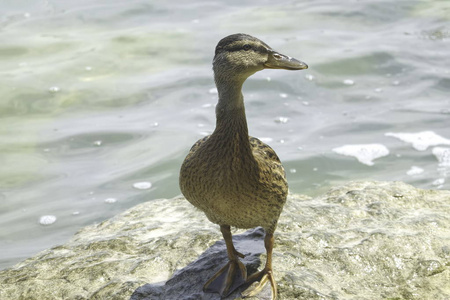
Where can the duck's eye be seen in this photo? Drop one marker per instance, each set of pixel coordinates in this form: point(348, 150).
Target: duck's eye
point(246, 47)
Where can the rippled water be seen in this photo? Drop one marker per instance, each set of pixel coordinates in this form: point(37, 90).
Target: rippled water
point(101, 100)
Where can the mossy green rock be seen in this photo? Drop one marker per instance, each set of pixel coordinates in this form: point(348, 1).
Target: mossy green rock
point(364, 240)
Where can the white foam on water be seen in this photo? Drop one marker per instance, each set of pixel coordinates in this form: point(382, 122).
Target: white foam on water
point(309, 77)
point(47, 220)
point(420, 140)
point(282, 120)
point(213, 91)
point(364, 153)
point(144, 185)
point(439, 182)
point(54, 89)
point(348, 82)
point(110, 200)
point(443, 156)
point(414, 171)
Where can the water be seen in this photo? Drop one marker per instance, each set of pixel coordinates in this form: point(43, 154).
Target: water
point(101, 100)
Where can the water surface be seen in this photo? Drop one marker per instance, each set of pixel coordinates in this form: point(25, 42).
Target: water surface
point(97, 96)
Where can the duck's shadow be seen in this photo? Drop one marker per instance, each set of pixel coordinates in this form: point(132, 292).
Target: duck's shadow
point(187, 283)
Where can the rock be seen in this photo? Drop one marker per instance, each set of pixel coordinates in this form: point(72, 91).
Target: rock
point(189, 281)
point(364, 240)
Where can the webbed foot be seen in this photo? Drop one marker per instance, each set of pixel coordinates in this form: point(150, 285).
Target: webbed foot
point(258, 281)
point(227, 279)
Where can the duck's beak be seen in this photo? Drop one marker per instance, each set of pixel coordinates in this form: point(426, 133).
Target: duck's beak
point(280, 61)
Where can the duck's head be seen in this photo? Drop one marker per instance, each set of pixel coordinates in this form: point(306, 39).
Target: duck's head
point(241, 55)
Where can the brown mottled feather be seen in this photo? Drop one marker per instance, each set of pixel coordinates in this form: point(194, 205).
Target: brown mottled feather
point(240, 188)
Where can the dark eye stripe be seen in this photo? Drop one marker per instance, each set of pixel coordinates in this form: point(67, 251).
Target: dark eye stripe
point(240, 46)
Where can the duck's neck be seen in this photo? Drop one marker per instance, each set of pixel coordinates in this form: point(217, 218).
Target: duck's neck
point(231, 123)
point(230, 110)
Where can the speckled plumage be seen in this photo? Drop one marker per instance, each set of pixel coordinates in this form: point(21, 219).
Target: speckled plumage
point(235, 179)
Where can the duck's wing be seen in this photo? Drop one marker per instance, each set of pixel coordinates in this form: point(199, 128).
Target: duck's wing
point(264, 151)
point(269, 162)
point(272, 179)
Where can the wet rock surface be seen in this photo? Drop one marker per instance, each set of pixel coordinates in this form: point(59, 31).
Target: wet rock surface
point(364, 240)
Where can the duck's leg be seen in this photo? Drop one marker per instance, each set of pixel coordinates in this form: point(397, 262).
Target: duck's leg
point(226, 280)
point(264, 275)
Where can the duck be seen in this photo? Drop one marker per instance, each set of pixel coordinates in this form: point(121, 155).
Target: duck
point(235, 179)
